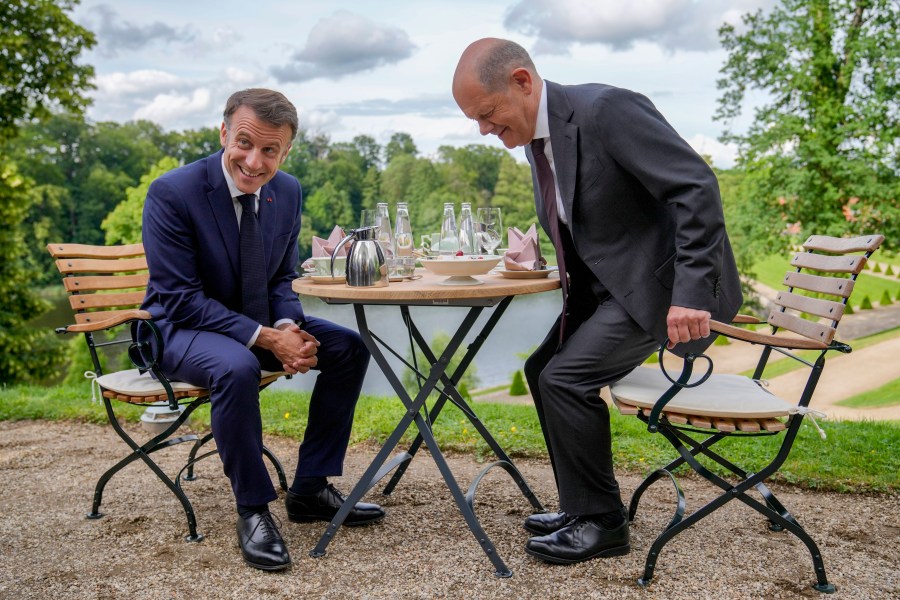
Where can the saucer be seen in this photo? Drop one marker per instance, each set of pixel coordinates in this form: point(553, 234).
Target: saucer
point(537, 274)
point(326, 279)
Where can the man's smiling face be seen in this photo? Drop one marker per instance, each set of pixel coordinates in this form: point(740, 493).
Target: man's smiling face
point(253, 148)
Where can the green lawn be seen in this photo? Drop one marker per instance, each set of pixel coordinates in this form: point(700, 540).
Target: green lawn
point(886, 395)
point(770, 271)
point(857, 456)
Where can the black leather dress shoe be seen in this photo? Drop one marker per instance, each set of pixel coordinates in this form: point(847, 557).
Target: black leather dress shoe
point(582, 539)
point(325, 504)
point(547, 523)
point(261, 543)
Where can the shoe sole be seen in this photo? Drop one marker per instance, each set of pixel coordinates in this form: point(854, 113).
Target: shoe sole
point(267, 567)
point(609, 552)
point(310, 519)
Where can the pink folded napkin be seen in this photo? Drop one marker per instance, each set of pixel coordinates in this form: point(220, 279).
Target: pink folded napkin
point(524, 253)
point(323, 248)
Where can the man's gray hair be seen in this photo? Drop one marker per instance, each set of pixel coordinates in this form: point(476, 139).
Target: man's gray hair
point(268, 105)
point(499, 61)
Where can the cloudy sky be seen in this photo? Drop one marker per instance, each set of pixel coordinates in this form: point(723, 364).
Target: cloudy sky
point(378, 67)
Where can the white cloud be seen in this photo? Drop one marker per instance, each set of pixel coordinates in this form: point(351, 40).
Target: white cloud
point(345, 43)
point(673, 24)
point(240, 77)
point(168, 109)
point(723, 155)
point(141, 82)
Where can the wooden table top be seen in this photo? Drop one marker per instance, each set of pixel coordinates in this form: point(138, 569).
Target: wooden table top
point(428, 290)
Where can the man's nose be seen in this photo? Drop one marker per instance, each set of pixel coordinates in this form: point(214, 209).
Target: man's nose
point(485, 127)
point(254, 158)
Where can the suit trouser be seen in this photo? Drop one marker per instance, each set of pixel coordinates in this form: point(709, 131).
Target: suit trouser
point(231, 372)
point(565, 380)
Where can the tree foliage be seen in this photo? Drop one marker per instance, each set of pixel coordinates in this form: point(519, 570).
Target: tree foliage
point(123, 224)
point(39, 48)
point(821, 155)
point(26, 354)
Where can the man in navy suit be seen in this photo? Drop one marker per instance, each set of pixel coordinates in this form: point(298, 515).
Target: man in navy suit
point(198, 221)
point(638, 228)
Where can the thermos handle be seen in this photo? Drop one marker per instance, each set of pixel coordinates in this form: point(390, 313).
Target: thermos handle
point(338, 247)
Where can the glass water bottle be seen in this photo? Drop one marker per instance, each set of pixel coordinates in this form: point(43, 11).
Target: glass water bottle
point(449, 239)
point(385, 236)
point(467, 241)
point(403, 237)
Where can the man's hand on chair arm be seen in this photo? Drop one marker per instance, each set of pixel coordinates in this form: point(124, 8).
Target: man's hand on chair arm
point(686, 324)
point(295, 348)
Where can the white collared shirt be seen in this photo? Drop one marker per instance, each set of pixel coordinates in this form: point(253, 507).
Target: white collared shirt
point(542, 130)
point(239, 211)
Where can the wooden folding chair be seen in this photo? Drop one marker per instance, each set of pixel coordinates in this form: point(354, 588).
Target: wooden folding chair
point(106, 285)
point(694, 415)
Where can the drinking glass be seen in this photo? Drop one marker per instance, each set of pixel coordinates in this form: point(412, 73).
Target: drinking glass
point(490, 232)
point(368, 217)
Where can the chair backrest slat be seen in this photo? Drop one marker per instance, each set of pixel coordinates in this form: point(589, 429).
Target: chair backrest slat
point(816, 306)
point(93, 283)
point(835, 245)
point(87, 251)
point(93, 301)
point(97, 315)
point(828, 264)
point(100, 265)
point(836, 286)
point(809, 329)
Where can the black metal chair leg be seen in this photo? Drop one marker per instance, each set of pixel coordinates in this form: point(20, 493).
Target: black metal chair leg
point(279, 470)
point(193, 454)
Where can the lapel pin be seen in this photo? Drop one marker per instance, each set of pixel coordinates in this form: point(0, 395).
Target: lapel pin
point(269, 199)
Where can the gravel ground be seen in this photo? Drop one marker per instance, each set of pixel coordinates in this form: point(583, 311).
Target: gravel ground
point(421, 550)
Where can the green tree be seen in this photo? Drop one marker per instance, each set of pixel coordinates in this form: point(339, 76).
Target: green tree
point(26, 354)
point(400, 143)
point(39, 48)
point(821, 154)
point(123, 224)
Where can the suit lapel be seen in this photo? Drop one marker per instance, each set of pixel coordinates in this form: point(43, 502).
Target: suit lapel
point(222, 207)
point(564, 138)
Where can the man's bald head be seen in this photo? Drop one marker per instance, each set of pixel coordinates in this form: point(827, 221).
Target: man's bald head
point(492, 61)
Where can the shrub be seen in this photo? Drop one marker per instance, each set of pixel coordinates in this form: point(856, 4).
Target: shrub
point(848, 310)
point(721, 341)
point(876, 268)
point(889, 271)
point(886, 298)
point(517, 387)
point(866, 304)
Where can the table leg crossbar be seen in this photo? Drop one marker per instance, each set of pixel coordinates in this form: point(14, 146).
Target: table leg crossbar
point(381, 466)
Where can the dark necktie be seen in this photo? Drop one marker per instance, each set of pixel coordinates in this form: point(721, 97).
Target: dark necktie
point(548, 195)
point(254, 287)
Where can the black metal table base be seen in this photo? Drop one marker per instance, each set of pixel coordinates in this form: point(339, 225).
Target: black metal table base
point(381, 466)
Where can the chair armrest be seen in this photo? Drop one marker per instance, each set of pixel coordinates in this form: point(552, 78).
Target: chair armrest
point(118, 319)
point(746, 320)
point(766, 339)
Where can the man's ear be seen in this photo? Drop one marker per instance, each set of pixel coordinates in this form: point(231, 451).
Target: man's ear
point(521, 78)
point(223, 134)
point(284, 156)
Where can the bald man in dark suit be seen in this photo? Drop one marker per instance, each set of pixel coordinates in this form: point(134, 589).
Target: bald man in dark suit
point(639, 233)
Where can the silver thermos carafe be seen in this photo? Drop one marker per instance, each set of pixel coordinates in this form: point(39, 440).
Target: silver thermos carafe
point(366, 266)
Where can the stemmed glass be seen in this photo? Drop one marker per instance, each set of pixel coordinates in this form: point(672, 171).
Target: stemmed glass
point(490, 228)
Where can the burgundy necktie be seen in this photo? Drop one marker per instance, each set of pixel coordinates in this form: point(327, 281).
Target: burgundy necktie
point(254, 284)
point(548, 195)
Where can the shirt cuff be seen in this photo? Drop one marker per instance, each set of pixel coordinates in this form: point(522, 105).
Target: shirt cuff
point(280, 322)
point(255, 335)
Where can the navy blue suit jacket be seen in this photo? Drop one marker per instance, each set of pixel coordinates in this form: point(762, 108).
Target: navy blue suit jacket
point(191, 238)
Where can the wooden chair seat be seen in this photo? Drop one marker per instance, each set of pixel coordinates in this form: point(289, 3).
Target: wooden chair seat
point(135, 388)
point(709, 406)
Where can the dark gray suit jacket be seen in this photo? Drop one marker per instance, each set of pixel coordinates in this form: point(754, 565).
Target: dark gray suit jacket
point(643, 207)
